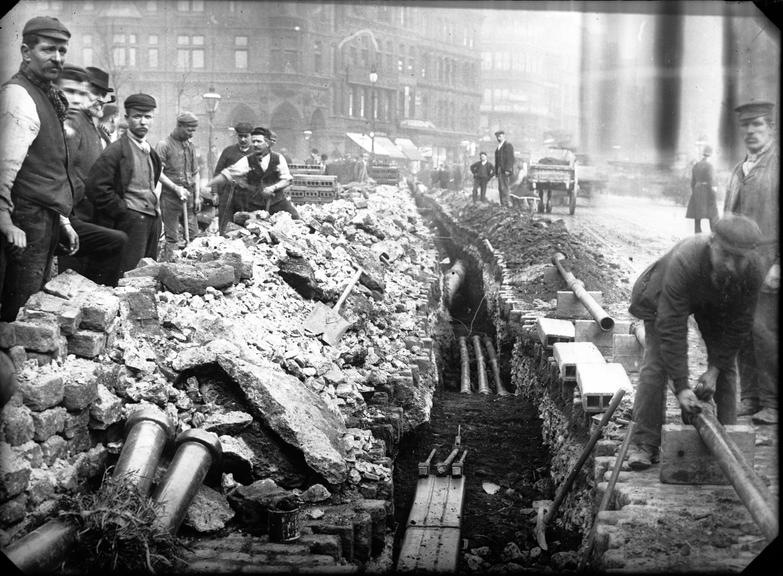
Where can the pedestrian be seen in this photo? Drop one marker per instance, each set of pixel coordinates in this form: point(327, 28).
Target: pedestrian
point(443, 176)
point(703, 203)
point(232, 197)
point(361, 169)
point(265, 173)
point(100, 248)
point(121, 184)
point(35, 191)
point(753, 191)
point(717, 279)
point(180, 196)
point(482, 171)
point(102, 97)
point(504, 166)
point(314, 159)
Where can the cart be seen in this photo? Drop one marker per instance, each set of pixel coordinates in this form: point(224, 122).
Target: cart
point(545, 179)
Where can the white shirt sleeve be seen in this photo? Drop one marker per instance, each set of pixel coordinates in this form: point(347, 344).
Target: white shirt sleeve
point(285, 173)
point(238, 170)
point(19, 126)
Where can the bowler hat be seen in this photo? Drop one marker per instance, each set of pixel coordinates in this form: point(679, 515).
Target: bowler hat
point(707, 151)
point(187, 119)
point(737, 234)
point(754, 109)
point(243, 128)
point(99, 78)
point(73, 72)
point(46, 26)
point(499, 132)
point(140, 101)
point(260, 130)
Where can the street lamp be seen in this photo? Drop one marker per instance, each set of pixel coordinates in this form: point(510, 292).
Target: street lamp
point(373, 80)
point(212, 100)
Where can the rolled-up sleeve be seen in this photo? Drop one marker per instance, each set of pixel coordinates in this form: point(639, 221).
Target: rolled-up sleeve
point(237, 172)
point(19, 126)
point(285, 173)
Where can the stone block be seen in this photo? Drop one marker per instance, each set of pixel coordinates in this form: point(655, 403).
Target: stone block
point(81, 441)
point(41, 487)
point(66, 476)
point(41, 359)
point(80, 385)
point(18, 356)
point(106, 409)
point(87, 343)
point(41, 391)
point(37, 334)
point(569, 306)
point(138, 305)
point(139, 283)
point(17, 424)
point(328, 544)
point(92, 462)
point(7, 335)
point(48, 422)
point(13, 510)
point(62, 349)
point(686, 460)
point(70, 285)
point(68, 315)
point(179, 278)
point(53, 448)
point(568, 355)
point(151, 270)
point(590, 331)
point(598, 383)
point(551, 330)
point(99, 308)
point(14, 472)
point(31, 452)
point(76, 421)
point(627, 351)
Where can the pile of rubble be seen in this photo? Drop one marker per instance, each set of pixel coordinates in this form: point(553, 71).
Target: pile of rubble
point(216, 340)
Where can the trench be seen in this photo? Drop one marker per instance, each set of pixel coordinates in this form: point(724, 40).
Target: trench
point(503, 436)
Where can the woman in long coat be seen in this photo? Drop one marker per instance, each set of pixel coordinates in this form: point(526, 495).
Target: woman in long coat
point(703, 203)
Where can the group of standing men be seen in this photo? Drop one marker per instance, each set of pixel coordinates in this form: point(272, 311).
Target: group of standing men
point(483, 170)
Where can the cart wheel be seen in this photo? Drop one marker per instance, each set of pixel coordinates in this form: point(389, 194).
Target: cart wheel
point(572, 201)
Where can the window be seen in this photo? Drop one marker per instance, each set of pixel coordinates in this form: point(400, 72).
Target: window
point(183, 40)
point(188, 57)
point(131, 38)
point(131, 57)
point(152, 40)
point(350, 103)
point(152, 57)
point(317, 56)
point(118, 39)
point(87, 40)
point(118, 56)
point(240, 41)
point(197, 59)
point(240, 59)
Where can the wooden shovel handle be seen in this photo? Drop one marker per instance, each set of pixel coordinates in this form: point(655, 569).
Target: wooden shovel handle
point(344, 295)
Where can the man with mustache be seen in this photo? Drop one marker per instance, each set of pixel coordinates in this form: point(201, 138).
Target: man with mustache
point(121, 184)
point(36, 195)
point(753, 190)
point(717, 279)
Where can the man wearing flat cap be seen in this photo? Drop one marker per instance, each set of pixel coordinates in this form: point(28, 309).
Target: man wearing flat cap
point(232, 197)
point(265, 173)
point(717, 279)
point(180, 182)
point(121, 184)
point(504, 166)
point(754, 191)
point(35, 192)
point(73, 83)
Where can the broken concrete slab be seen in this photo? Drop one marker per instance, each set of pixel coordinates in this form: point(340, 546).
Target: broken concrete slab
point(194, 278)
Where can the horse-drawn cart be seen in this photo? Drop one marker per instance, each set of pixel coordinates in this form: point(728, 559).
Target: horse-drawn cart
point(548, 177)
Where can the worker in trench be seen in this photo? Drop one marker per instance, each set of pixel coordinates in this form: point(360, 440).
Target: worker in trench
point(716, 278)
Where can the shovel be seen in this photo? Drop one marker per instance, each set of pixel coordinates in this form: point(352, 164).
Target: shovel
point(326, 322)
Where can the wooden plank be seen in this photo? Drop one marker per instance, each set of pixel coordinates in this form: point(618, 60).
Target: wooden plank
point(686, 460)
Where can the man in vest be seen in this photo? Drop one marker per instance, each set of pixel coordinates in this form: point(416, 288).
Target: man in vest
point(265, 173)
point(36, 195)
point(180, 180)
point(232, 198)
point(121, 184)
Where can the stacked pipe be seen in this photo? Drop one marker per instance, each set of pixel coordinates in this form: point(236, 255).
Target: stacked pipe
point(465, 363)
point(481, 368)
point(493, 362)
point(600, 315)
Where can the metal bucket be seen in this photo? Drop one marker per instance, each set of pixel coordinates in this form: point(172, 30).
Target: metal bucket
point(283, 525)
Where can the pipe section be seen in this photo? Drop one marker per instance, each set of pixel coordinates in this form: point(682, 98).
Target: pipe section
point(493, 362)
point(43, 549)
point(464, 357)
point(443, 467)
point(196, 451)
point(481, 369)
point(453, 281)
point(600, 315)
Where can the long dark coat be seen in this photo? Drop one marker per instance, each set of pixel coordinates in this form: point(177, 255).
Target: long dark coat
point(702, 203)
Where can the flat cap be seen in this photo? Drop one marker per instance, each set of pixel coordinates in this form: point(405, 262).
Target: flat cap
point(260, 130)
point(46, 26)
point(499, 132)
point(187, 118)
point(243, 128)
point(737, 234)
point(140, 101)
point(272, 136)
point(707, 151)
point(73, 72)
point(754, 109)
point(99, 78)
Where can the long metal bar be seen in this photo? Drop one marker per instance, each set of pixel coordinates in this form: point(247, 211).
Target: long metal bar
point(481, 369)
point(465, 363)
point(493, 362)
point(600, 315)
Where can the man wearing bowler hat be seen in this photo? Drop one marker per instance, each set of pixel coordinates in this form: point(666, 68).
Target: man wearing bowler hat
point(504, 166)
point(121, 184)
point(35, 191)
point(753, 191)
point(715, 278)
point(101, 95)
point(232, 197)
point(180, 197)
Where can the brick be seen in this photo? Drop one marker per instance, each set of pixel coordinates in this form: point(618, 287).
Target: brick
point(551, 330)
point(31, 452)
point(42, 391)
point(53, 448)
point(99, 308)
point(598, 383)
point(686, 460)
point(75, 421)
point(569, 306)
point(569, 355)
point(67, 315)
point(86, 343)
point(105, 410)
point(138, 305)
point(342, 528)
point(70, 285)
point(38, 335)
point(13, 510)
point(48, 422)
point(17, 424)
point(14, 472)
point(80, 386)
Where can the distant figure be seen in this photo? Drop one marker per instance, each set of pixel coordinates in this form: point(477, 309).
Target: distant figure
point(314, 159)
point(703, 203)
point(443, 176)
point(504, 166)
point(361, 169)
point(482, 171)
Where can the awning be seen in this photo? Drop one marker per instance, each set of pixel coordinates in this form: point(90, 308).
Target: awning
point(408, 148)
point(383, 146)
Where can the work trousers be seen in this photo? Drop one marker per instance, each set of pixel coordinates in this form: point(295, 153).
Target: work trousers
point(281, 205)
point(758, 356)
point(480, 184)
point(649, 407)
point(27, 270)
point(171, 213)
point(504, 182)
point(143, 232)
point(230, 203)
point(99, 255)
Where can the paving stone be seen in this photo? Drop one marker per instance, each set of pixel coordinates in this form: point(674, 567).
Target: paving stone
point(17, 424)
point(87, 343)
point(37, 334)
point(99, 308)
point(41, 391)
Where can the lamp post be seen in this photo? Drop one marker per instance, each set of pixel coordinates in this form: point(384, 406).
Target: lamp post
point(373, 80)
point(212, 100)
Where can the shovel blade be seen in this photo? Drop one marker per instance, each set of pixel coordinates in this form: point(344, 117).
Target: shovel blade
point(542, 507)
point(334, 330)
point(317, 320)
